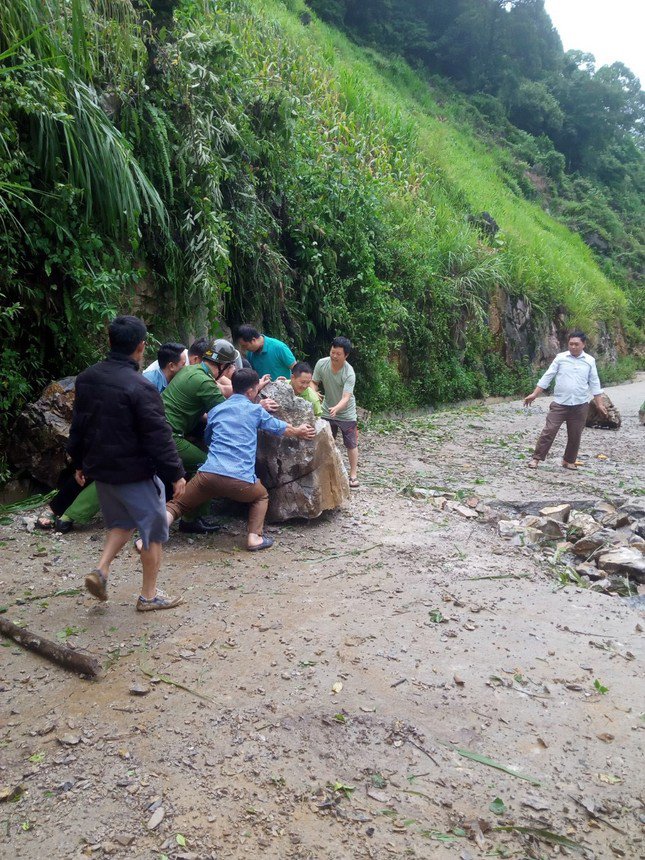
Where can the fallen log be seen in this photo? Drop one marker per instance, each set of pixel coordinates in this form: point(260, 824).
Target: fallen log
point(61, 654)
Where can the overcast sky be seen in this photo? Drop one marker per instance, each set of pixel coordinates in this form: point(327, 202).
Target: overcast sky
point(609, 29)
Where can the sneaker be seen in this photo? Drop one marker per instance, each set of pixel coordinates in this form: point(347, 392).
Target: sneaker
point(159, 601)
point(199, 526)
point(96, 584)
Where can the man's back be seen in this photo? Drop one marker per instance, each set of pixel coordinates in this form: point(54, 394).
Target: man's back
point(119, 433)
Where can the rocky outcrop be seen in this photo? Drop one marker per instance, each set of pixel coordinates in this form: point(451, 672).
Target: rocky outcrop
point(37, 445)
point(304, 478)
point(595, 418)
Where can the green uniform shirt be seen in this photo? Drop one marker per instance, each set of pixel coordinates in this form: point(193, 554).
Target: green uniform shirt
point(275, 358)
point(311, 397)
point(191, 393)
point(335, 385)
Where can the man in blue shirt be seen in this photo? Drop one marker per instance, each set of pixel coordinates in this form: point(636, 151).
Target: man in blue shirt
point(575, 376)
point(265, 354)
point(171, 357)
point(229, 470)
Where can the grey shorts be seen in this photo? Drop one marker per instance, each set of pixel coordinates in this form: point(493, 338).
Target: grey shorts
point(349, 429)
point(141, 505)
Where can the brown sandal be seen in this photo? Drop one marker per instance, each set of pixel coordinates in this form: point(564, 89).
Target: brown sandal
point(570, 466)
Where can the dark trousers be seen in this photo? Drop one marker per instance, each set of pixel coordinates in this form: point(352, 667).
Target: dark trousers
point(206, 486)
point(575, 418)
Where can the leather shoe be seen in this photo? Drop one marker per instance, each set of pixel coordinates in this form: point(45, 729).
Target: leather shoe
point(199, 526)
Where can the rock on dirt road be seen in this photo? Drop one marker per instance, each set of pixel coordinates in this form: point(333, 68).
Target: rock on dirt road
point(392, 680)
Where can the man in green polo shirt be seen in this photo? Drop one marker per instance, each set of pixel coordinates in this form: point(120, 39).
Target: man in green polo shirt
point(265, 354)
point(301, 382)
point(337, 377)
point(192, 393)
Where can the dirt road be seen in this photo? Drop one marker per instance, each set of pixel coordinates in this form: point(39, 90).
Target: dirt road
point(345, 694)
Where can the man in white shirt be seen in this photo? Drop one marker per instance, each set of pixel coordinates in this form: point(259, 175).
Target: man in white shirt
point(575, 376)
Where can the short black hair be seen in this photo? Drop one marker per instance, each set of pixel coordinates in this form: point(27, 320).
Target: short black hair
point(199, 347)
point(126, 333)
point(577, 333)
point(169, 352)
point(244, 379)
point(344, 343)
point(300, 367)
point(247, 333)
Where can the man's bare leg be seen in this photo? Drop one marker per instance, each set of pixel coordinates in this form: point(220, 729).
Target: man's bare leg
point(115, 541)
point(151, 562)
point(352, 456)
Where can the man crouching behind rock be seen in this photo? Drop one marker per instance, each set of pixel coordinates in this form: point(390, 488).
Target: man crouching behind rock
point(229, 470)
point(120, 438)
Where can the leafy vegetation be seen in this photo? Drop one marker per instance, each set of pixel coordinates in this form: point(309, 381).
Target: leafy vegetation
point(206, 163)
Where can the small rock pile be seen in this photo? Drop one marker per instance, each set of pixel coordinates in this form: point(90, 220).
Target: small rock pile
point(603, 545)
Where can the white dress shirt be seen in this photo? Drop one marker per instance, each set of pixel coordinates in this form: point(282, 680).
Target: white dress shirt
point(574, 378)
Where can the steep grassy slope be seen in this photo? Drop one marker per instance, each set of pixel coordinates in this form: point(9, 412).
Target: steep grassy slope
point(284, 177)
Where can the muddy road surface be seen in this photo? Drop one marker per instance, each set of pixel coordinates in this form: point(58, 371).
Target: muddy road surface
point(392, 680)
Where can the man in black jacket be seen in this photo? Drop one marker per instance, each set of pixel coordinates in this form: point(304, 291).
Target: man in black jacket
point(120, 438)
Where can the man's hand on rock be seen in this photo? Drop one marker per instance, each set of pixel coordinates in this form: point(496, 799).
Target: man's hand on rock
point(306, 431)
point(266, 379)
point(269, 404)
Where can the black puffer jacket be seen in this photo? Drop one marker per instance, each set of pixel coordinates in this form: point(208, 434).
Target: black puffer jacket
point(119, 432)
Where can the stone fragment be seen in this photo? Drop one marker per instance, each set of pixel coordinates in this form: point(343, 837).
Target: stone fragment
point(37, 443)
point(139, 689)
point(637, 542)
point(529, 537)
point(303, 477)
point(156, 818)
point(629, 562)
point(419, 493)
point(553, 528)
point(639, 528)
point(588, 569)
point(509, 528)
point(614, 585)
point(607, 515)
point(635, 508)
point(557, 512)
point(590, 543)
point(596, 419)
point(462, 510)
point(581, 524)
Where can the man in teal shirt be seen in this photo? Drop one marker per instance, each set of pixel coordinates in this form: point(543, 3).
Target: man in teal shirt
point(265, 354)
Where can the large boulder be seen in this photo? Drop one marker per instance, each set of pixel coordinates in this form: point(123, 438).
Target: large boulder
point(37, 444)
point(595, 418)
point(303, 477)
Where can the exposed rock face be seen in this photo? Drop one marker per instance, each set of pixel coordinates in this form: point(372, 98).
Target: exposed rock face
point(595, 418)
point(304, 478)
point(41, 433)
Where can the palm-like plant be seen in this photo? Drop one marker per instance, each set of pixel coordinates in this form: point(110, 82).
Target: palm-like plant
point(60, 50)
